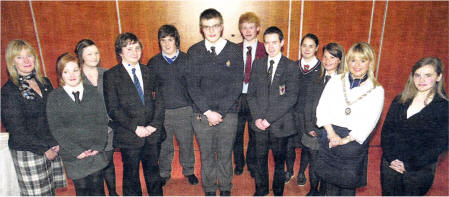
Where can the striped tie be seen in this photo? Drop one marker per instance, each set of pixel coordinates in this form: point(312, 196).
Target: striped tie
point(137, 84)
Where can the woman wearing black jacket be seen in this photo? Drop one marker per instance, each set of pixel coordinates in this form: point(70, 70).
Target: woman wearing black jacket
point(415, 132)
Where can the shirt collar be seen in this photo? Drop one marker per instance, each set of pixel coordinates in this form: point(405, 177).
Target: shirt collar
point(246, 45)
point(311, 64)
point(174, 57)
point(276, 58)
point(219, 45)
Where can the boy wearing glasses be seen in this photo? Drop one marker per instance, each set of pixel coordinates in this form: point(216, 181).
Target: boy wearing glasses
point(215, 84)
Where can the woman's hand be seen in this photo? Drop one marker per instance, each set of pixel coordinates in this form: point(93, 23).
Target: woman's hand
point(51, 154)
point(334, 140)
point(398, 166)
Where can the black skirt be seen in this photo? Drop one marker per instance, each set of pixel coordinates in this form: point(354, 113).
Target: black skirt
point(344, 166)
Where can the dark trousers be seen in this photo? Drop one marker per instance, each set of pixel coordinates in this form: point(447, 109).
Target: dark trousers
point(131, 158)
point(411, 183)
point(313, 177)
point(291, 153)
point(305, 160)
point(333, 190)
point(109, 174)
point(244, 116)
point(91, 185)
point(265, 141)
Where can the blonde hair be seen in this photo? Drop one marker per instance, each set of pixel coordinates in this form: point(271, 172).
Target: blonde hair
point(364, 51)
point(249, 17)
point(13, 50)
point(410, 89)
point(63, 60)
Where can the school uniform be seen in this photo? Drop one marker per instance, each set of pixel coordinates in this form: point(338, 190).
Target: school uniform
point(171, 75)
point(128, 109)
point(272, 97)
point(215, 84)
point(29, 138)
point(417, 141)
point(257, 51)
point(343, 168)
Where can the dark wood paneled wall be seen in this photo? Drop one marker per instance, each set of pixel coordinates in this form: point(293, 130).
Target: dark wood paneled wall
point(403, 32)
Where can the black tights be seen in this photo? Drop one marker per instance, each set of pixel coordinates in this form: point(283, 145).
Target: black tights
point(305, 159)
point(91, 185)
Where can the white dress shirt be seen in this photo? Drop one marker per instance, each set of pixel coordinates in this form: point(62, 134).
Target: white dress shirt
point(129, 68)
point(312, 63)
point(253, 56)
point(364, 115)
point(276, 60)
point(70, 90)
point(219, 45)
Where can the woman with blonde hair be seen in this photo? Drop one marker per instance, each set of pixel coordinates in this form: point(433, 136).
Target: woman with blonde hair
point(415, 132)
point(33, 149)
point(349, 109)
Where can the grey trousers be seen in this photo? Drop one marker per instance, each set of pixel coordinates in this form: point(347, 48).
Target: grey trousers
point(216, 144)
point(178, 123)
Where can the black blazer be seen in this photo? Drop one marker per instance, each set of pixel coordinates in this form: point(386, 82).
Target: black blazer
point(274, 104)
point(126, 109)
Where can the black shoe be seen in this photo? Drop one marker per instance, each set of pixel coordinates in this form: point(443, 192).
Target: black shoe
point(192, 179)
point(260, 194)
point(238, 170)
point(225, 193)
point(165, 180)
point(288, 177)
point(301, 179)
point(210, 194)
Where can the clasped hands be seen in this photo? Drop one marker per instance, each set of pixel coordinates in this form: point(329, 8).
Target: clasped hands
point(397, 166)
point(87, 153)
point(262, 124)
point(142, 131)
point(335, 140)
point(52, 152)
point(214, 118)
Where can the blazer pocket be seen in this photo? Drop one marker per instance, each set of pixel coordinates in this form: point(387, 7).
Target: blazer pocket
point(282, 90)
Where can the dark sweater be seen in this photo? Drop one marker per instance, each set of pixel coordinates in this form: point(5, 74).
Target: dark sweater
point(418, 140)
point(215, 82)
point(172, 79)
point(77, 128)
point(26, 120)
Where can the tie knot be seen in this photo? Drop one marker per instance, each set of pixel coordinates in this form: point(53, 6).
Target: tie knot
point(76, 93)
point(212, 49)
point(249, 49)
point(133, 70)
point(271, 62)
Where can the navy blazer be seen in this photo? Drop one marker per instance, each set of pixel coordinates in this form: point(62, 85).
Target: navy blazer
point(126, 109)
point(274, 103)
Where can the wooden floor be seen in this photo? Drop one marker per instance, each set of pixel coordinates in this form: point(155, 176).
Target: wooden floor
point(243, 185)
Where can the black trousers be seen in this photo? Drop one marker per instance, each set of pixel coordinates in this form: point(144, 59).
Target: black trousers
point(131, 158)
point(411, 183)
point(91, 185)
point(244, 116)
point(333, 190)
point(265, 141)
point(109, 174)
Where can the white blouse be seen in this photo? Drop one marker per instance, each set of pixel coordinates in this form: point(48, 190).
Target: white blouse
point(364, 113)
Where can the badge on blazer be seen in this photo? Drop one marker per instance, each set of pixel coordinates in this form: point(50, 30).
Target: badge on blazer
point(281, 90)
point(228, 63)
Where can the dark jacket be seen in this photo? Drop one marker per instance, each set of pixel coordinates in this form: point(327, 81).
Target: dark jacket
point(418, 140)
point(260, 51)
point(26, 120)
point(126, 109)
point(215, 82)
point(275, 103)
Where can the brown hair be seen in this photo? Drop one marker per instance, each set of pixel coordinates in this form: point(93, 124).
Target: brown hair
point(62, 61)
point(249, 17)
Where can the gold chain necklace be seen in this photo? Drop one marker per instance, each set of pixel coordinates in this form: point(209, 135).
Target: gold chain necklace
point(349, 103)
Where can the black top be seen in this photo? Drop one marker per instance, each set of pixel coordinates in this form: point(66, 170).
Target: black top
point(172, 79)
point(215, 82)
point(26, 120)
point(418, 140)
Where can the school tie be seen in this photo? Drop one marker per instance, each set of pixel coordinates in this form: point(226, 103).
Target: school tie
point(326, 79)
point(306, 68)
point(248, 64)
point(137, 84)
point(212, 50)
point(170, 60)
point(77, 97)
point(270, 72)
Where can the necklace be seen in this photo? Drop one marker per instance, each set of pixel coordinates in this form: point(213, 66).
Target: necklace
point(349, 103)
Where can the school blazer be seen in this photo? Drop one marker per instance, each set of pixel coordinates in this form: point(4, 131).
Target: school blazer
point(274, 103)
point(126, 109)
point(260, 51)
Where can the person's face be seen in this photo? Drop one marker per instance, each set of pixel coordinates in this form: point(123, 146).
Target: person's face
point(425, 78)
point(71, 75)
point(131, 53)
point(249, 31)
point(91, 56)
point(358, 66)
point(211, 29)
point(168, 45)
point(330, 62)
point(24, 62)
point(308, 48)
point(273, 45)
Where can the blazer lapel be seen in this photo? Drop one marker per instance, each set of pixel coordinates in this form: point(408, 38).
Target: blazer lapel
point(128, 83)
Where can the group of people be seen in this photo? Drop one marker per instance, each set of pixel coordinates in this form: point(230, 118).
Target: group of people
point(328, 108)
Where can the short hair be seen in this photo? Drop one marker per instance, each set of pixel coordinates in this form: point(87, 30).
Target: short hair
point(79, 49)
point(123, 40)
point(311, 36)
point(62, 62)
point(168, 30)
point(274, 30)
point(249, 17)
point(410, 90)
point(210, 14)
point(13, 50)
point(337, 51)
point(364, 51)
